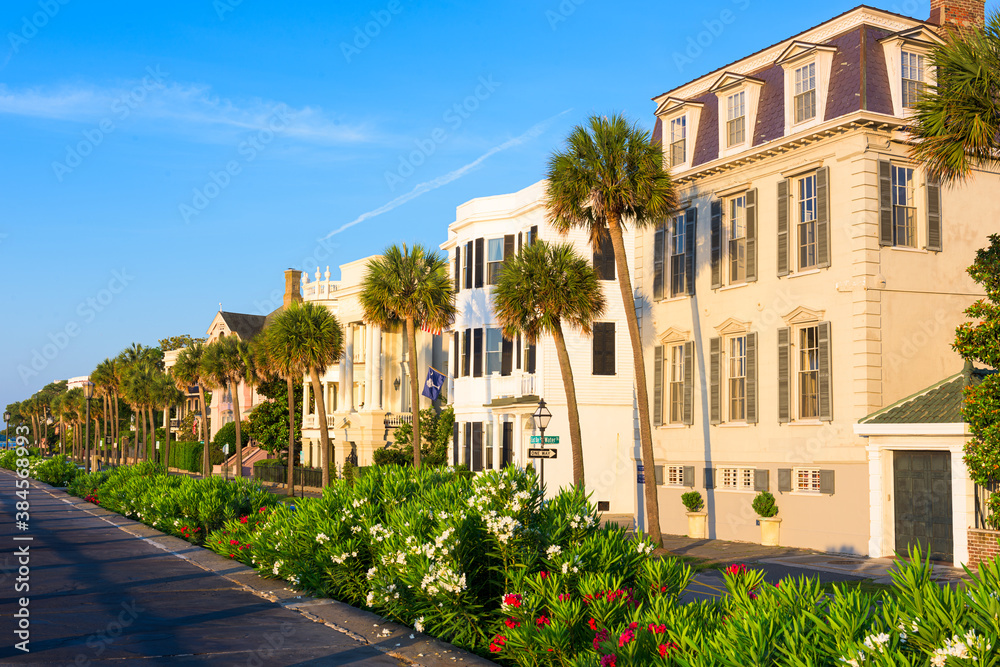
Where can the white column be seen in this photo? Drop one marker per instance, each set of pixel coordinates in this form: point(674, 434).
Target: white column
point(342, 382)
point(963, 507)
point(497, 439)
point(369, 365)
point(349, 373)
point(876, 503)
point(519, 441)
point(376, 374)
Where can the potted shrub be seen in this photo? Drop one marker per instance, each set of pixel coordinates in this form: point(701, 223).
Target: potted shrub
point(767, 510)
point(697, 519)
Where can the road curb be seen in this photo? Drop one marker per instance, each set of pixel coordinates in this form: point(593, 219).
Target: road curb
point(393, 639)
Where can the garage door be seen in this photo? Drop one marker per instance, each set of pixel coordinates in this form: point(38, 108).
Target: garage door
point(923, 503)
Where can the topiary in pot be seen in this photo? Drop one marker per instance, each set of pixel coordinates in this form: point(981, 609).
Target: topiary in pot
point(764, 505)
point(693, 501)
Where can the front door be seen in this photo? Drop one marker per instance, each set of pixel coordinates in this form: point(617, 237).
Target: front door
point(923, 503)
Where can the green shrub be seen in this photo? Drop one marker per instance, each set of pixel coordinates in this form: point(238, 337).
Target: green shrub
point(692, 501)
point(187, 456)
point(227, 436)
point(764, 506)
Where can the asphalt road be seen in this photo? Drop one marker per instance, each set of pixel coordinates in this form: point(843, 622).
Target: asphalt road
point(100, 595)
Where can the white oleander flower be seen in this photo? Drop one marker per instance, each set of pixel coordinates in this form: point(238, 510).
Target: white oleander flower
point(322, 538)
point(418, 624)
point(553, 551)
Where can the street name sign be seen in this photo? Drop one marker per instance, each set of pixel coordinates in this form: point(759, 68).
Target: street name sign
point(549, 440)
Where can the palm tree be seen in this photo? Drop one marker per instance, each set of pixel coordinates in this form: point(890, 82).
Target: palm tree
point(411, 287)
point(166, 395)
point(608, 175)
point(224, 362)
point(272, 362)
point(187, 371)
point(306, 338)
point(957, 120)
point(104, 383)
point(539, 290)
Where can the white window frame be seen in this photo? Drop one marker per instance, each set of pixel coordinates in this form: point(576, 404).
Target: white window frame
point(493, 265)
point(919, 42)
point(676, 261)
point(919, 65)
point(802, 207)
point(805, 83)
point(733, 364)
point(730, 215)
point(795, 57)
point(488, 354)
point(673, 476)
point(908, 209)
point(675, 383)
point(810, 476)
point(798, 350)
point(733, 478)
point(677, 133)
point(736, 118)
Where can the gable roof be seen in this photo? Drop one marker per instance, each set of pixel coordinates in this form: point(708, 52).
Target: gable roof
point(940, 403)
point(244, 325)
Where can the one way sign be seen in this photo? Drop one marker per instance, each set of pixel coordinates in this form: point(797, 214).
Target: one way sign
point(541, 453)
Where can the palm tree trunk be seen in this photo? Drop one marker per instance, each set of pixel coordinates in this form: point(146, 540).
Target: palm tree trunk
point(206, 463)
point(239, 439)
point(291, 435)
point(166, 436)
point(641, 392)
point(575, 439)
point(411, 337)
point(34, 428)
point(145, 437)
point(152, 434)
point(324, 432)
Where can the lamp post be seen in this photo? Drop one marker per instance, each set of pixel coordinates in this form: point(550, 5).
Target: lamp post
point(542, 417)
point(88, 393)
point(6, 429)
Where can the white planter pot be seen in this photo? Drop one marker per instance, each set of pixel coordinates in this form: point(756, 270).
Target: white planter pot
point(769, 531)
point(697, 525)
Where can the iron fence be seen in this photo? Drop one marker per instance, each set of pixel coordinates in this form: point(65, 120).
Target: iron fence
point(278, 474)
point(983, 494)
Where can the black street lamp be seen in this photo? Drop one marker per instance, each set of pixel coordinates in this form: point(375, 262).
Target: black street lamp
point(542, 417)
point(88, 393)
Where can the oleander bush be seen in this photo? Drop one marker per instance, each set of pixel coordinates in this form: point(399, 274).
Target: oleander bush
point(57, 471)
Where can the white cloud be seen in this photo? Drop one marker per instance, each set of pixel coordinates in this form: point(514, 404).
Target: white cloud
point(165, 106)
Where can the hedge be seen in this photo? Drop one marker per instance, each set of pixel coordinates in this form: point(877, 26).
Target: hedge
point(187, 456)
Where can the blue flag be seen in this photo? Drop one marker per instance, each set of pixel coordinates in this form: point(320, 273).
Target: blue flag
point(433, 384)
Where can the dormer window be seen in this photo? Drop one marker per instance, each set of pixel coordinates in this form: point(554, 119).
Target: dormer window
point(678, 140)
point(805, 93)
point(736, 128)
point(913, 78)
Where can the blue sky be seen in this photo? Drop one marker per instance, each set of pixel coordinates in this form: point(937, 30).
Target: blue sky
point(161, 158)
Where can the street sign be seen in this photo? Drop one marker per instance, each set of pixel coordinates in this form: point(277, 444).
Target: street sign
point(549, 440)
point(541, 453)
point(640, 473)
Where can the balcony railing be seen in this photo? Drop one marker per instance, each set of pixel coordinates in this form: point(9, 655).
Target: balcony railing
point(398, 419)
point(512, 386)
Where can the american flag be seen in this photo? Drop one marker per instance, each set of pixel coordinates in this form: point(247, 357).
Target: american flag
point(430, 330)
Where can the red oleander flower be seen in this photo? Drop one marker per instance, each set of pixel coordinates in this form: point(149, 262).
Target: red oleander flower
point(625, 638)
point(495, 649)
point(666, 648)
point(564, 597)
point(610, 660)
point(234, 542)
point(542, 621)
point(736, 569)
point(598, 638)
point(232, 555)
point(543, 574)
point(512, 599)
point(262, 510)
point(243, 519)
point(657, 629)
point(511, 623)
point(593, 624)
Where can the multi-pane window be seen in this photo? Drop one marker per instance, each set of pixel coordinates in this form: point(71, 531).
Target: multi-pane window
point(737, 228)
point(737, 372)
point(805, 93)
point(806, 221)
point(676, 389)
point(737, 479)
point(494, 260)
point(736, 129)
point(904, 213)
point(494, 341)
point(675, 476)
point(808, 372)
point(677, 244)
point(913, 78)
point(807, 480)
point(678, 140)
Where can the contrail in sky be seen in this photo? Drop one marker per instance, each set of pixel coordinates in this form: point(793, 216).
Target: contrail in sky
point(428, 186)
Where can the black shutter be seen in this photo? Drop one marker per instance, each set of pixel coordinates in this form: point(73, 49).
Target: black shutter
point(517, 352)
point(784, 480)
point(458, 356)
point(530, 361)
point(657, 385)
point(715, 381)
point(506, 356)
point(709, 478)
point(658, 255)
point(480, 262)
point(825, 373)
point(885, 203)
point(477, 446)
point(454, 440)
point(784, 374)
point(458, 268)
point(690, 224)
point(752, 235)
point(658, 475)
point(468, 445)
point(468, 265)
point(508, 246)
point(534, 234)
point(716, 244)
point(520, 241)
point(688, 407)
point(477, 353)
point(467, 346)
point(783, 227)
point(688, 476)
point(933, 216)
point(604, 348)
point(761, 480)
point(751, 389)
point(826, 479)
point(604, 258)
point(823, 217)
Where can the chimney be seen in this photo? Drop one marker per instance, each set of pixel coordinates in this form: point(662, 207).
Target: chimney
point(293, 286)
point(958, 14)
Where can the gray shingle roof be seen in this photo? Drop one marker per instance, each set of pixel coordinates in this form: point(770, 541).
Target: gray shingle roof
point(940, 403)
point(242, 324)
